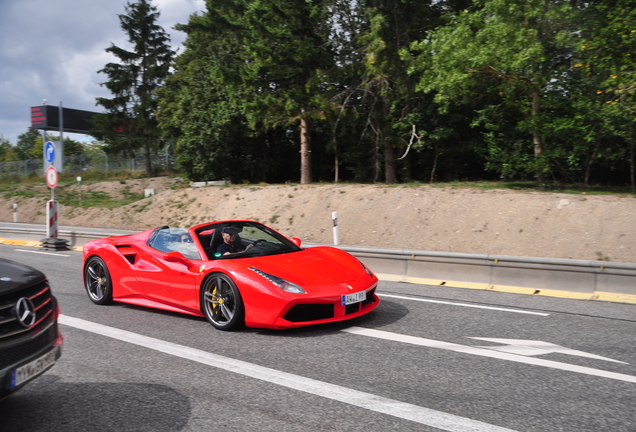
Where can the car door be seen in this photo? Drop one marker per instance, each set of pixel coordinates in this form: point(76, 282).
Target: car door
point(175, 285)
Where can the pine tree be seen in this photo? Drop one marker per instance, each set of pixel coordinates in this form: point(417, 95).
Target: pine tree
point(284, 55)
point(129, 122)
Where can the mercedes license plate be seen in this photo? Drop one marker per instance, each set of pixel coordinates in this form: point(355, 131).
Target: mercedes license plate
point(348, 299)
point(34, 368)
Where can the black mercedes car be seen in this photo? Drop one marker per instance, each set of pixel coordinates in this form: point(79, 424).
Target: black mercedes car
point(30, 342)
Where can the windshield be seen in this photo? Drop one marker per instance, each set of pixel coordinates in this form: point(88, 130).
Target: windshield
point(167, 239)
point(241, 240)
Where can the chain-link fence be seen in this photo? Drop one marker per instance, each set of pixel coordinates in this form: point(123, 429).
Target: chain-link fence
point(161, 160)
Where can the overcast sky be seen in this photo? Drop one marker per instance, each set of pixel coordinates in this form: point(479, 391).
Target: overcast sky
point(53, 49)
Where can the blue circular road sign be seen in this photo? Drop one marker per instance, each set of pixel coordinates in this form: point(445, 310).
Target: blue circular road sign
point(49, 152)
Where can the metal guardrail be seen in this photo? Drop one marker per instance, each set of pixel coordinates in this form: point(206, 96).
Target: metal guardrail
point(593, 280)
point(76, 238)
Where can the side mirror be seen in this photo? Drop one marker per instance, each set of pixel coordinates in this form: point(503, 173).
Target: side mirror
point(296, 241)
point(178, 257)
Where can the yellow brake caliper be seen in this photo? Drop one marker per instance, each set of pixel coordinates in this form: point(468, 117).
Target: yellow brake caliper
point(219, 301)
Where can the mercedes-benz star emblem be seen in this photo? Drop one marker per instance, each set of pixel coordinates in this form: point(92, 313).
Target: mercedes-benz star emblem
point(25, 312)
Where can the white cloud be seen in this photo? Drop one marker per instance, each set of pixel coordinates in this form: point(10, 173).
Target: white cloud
point(53, 50)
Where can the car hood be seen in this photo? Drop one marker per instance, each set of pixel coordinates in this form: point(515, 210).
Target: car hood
point(312, 266)
point(14, 275)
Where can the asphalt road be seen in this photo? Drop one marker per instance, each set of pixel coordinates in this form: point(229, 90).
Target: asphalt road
point(420, 362)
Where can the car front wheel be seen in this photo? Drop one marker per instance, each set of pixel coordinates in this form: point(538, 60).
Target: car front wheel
point(222, 303)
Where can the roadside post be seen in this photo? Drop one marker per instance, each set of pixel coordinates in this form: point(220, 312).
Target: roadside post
point(51, 242)
point(79, 190)
point(51, 206)
point(15, 213)
point(334, 216)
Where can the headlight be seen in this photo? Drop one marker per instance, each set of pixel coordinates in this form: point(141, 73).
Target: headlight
point(366, 269)
point(279, 282)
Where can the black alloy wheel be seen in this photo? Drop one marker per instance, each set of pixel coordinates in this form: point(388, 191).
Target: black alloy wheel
point(97, 281)
point(221, 302)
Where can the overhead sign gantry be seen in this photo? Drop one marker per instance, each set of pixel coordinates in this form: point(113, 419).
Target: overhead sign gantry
point(52, 118)
point(47, 117)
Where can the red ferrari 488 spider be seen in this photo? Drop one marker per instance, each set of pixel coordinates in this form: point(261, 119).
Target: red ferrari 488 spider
point(233, 273)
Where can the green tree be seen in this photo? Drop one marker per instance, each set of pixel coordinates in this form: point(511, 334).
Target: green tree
point(281, 63)
point(512, 51)
point(609, 52)
point(199, 114)
point(5, 150)
point(615, 43)
point(205, 118)
point(26, 143)
point(389, 27)
point(130, 122)
point(375, 90)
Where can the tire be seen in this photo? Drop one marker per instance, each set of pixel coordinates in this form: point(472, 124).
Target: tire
point(221, 302)
point(97, 281)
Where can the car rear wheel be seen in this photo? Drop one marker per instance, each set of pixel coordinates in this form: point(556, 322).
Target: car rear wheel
point(97, 281)
point(222, 303)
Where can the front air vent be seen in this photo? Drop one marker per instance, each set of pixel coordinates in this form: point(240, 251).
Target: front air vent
point(370, 298)
point(310, 312)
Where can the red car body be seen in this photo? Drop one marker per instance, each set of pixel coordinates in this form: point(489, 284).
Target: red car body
point(161, 278)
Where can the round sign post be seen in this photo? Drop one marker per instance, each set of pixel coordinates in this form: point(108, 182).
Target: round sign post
point(51, 208)
point(51, 177)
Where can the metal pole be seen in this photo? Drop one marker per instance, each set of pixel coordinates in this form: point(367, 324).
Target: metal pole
point(44, 164)
point(61, 131)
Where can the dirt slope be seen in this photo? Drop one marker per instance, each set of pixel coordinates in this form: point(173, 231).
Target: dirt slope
point(469, 220)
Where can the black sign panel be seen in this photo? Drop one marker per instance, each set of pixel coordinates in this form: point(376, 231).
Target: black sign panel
point(40, 117)
point(47, 117)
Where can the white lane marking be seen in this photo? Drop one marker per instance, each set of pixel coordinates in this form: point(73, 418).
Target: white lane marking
point(431, 343)
point(414, 413)
point(463, 304)
point(535, 347)
point(42, 253)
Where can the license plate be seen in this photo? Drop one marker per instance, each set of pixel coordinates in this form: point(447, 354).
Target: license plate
point(32, 369)
point(348, 299)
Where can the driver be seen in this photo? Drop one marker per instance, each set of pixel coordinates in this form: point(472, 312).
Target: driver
point(231, 243)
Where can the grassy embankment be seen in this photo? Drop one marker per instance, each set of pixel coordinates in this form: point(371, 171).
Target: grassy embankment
point(66, 192)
